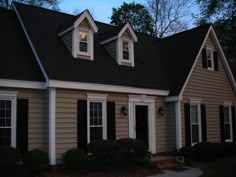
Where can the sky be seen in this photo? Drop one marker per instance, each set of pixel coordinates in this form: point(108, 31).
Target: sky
point(101, 10)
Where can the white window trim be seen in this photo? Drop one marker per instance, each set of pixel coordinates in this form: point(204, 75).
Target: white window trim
point(212, 58)
point(102, 99)
point(196, 103)
point(150, 102)
point(122, 61)
point(229, 104)
point(76, 43)
point(12, 96)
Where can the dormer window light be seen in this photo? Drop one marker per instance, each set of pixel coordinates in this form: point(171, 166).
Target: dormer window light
point(83, 42)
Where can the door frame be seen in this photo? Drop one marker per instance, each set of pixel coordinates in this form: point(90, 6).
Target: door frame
point(145, 101)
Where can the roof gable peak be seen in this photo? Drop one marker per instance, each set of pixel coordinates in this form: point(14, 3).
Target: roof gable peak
point(86, 15)
point(128, 27)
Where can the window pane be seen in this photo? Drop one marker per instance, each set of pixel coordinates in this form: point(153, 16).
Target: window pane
point(83, 47)
point(125, 45)
point(226, 114)
point(194, 114)
point(195, 134)
point(5, 136)
point(227, 131)
point(95, 133)
point(126, 55)
point(209, 63)
point(83, 36)
point(96, 113)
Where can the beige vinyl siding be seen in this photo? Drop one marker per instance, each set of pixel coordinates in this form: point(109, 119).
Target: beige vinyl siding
point(126, 35)
point(66, 118)
point(37, 116)
point(165, 126)
point(111, 48)
point(84, 24)
point(67, 39)
point(212, 88)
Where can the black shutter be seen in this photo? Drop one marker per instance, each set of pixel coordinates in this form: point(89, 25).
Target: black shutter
point(222, 127)
point(216, 65)
point(187, 125)
point(82, 124)
point(234, 123)
point(22, 125)
point(111, 124)
point(203, 122)
point(204, 58)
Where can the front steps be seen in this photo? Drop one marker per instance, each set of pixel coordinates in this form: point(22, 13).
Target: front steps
point(165, 162)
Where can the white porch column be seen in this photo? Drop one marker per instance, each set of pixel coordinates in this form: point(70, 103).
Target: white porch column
point(178, 124)
point(52, 122)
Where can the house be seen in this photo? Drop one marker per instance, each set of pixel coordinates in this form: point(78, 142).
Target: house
point(67, 80)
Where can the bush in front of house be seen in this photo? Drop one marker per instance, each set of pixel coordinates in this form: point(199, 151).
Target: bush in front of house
point(133, 150)
point(36, 160)
point(208, 151)
point(75, 159)
point(9, 156)
point(104, 153)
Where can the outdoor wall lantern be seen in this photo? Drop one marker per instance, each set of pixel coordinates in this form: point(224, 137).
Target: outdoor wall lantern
point(161, 111)
point(123, 110)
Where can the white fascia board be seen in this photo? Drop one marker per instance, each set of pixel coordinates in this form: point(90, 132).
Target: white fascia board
point(128, 26)
point(104, 87)
point(87, 15)
point(173, 98)
point(22, 84)
point(108, 40)
point(66, 31)
point(225, 62)
point(30, 42)
point(194, 64)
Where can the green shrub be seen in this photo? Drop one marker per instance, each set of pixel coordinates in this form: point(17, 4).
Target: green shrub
point(36, 160)
point(9, 156)
point(133, 150)
point(207, 151)
point(75, 159)
point(104, 153)
point(188, 153)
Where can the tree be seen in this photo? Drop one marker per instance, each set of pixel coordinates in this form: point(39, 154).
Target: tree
point(168, 16)
point(222, 14)
point(136, 14)
point(53, 4)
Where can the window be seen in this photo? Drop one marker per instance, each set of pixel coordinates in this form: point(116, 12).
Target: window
point(96, 117)
point(5, 122)
point(228, 123)
point(8, 118)
point(83, 41)
point(195, 118)
point(210, 59)
point(125, 47)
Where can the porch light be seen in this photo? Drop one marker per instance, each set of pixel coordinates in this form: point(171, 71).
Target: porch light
point(161, 111)
point(123, 110)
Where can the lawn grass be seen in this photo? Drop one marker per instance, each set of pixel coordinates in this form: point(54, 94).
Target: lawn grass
point(220, 168)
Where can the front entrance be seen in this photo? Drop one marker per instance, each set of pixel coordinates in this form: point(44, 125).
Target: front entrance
point(141, 117)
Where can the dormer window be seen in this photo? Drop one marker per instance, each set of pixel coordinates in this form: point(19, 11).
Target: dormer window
point(82, 36)
point(125, 46)
point(121, 46)
point(83, 42)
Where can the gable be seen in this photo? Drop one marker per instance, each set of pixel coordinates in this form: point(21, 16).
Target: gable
point(84, 24)
point(207, 83)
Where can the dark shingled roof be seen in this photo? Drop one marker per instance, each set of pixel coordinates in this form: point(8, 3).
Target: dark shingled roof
point(179, 52)
point(159, 63)
point(17, 59)
point(43, 26)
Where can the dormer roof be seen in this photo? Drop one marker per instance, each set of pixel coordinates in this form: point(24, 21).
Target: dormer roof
point(116, 33)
